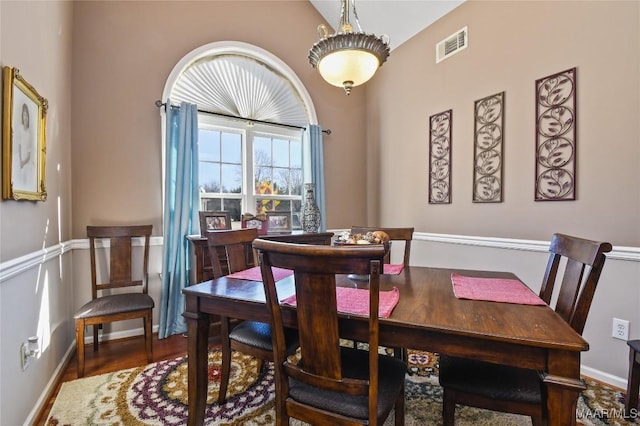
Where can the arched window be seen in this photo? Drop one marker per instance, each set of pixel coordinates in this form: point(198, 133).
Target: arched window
point(252, 111)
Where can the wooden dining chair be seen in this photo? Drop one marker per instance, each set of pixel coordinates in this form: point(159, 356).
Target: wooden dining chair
point(517, 390)
point(631, 400)
point(404, 235)
point(249, 337)
point(395, 234)
point(331, 384)
point(109, 302)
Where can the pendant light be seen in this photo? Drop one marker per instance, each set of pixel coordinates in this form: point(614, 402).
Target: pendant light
point(349, 57)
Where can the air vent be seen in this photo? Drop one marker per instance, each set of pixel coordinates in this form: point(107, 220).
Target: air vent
point(452, 44)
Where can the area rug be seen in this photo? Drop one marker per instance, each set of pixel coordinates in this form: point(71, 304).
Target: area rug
point(157, 395)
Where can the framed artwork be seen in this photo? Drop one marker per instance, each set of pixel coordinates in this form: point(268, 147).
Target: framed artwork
point(214, 221)
point(279, 221)
point(487, 149)
point(556, 140)
point(440, 157)
point(23, 139)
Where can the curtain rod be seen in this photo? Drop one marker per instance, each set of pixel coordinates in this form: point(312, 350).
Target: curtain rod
point(163, 104)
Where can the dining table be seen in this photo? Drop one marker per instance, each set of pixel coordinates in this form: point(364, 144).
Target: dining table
point(428, 316)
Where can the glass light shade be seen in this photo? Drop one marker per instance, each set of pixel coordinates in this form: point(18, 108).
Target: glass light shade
point(349, 57)
point(355, 66)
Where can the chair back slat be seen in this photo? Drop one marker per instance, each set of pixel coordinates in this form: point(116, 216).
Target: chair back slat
point(583, 263)
point(316, 304)
point(120, 259)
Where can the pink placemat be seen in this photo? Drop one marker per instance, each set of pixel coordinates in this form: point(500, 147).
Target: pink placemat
point(356, 301)
point(392, 268)
point(254, 274)
point(494, 290)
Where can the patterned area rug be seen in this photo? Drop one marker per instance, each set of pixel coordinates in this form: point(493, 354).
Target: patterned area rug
point(157, 395)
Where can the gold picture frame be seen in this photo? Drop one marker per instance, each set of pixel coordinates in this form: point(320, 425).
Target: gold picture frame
point(23, 147)
point(214, 221)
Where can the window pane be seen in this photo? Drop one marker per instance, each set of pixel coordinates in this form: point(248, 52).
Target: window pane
point(231, 148)
point(264, 184)
point(281, 180)
point(211, 204)
point(295, 185)
point(262, 151)
point(262, 174)
point(209, 176)
point(296, 154)
point(232, 178)
point(232, 205)
point(208, 145)
point(264, 205)
point(280, 153)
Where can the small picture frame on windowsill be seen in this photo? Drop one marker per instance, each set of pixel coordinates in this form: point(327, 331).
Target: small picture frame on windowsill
point(258, 222)
point(279, 222)
point(214, 221)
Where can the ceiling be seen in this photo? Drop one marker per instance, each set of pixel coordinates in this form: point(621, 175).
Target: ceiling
point(399, 19)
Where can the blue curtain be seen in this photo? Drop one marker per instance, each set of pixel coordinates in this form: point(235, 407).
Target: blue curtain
point(314, 133)
point(181, 207)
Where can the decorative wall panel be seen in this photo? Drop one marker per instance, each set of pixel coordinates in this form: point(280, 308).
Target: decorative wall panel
point(556, 137)
point(488, 149)
point(440, 157)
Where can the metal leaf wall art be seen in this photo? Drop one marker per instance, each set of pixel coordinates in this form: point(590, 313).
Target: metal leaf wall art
point(488, 149)
point(440, 157)
point(556, 137)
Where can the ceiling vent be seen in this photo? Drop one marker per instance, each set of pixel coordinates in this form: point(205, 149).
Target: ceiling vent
point(452, 44)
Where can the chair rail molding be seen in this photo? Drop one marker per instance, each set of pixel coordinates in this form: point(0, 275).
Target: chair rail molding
point(618, 252)
point(16, 266)
point(19, 265)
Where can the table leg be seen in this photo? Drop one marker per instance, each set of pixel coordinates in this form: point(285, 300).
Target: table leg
point(563, 387)
point(197, 352)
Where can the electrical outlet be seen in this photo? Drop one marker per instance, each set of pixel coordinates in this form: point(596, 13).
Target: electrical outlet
point(620, 329)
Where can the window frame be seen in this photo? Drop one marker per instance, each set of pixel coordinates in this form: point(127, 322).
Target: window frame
point(248, 131)
point(238, 48)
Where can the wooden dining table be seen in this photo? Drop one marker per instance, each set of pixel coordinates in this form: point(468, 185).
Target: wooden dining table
point(428, 317)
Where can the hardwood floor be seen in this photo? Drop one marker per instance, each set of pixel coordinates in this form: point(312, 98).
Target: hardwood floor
point(113, 356)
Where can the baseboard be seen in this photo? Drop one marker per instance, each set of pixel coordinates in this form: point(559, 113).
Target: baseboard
point(606, 378)
point(38, 410)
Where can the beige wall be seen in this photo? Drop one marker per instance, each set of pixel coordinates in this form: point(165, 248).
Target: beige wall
point(511, 44)
point(35, 37)
point(43, 56)
point(103, 64)
point(123, 53)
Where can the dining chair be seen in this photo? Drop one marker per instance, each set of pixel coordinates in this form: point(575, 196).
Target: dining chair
point(109, 300)
point(405, 235)
point(633, 382)
point(249, 337)
point(329, 384)
point(518, 390)
point(395, 234)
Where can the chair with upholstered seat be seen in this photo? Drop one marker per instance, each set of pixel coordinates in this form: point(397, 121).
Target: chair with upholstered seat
point(118, 266)
point(249, 337)
point(633, 382)
point(517, 390)
point(330, 384)
point(395, 234)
